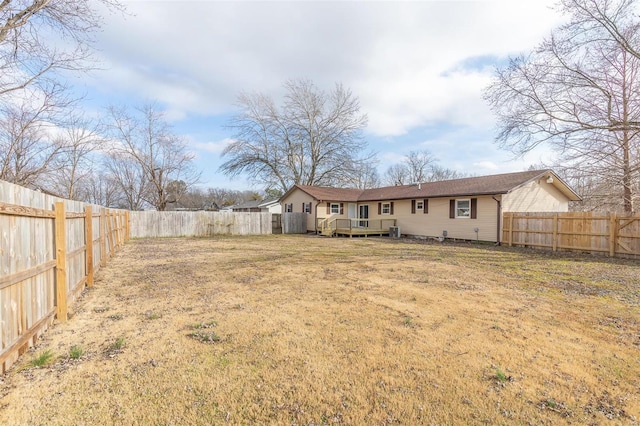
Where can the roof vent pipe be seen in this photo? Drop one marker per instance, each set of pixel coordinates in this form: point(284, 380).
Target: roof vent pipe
point(419, 186)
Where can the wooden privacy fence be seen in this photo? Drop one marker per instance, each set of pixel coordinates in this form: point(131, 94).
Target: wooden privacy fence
point(586, 232)
point(154, 224)
point(294, 223)
point(49, 250)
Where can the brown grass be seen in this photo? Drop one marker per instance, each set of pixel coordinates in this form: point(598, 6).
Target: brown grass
point(304, 330)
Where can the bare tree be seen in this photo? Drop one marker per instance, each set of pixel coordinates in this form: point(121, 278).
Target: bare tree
point(130, 179)
point(612, 20)
point(101, 188)
point(313, 139)
point(438, 173)
point(579, 92)
point(30, 35)
point(27, 153)
point(74, 164)
point(364, 175)
point(397, 174)
point(145, 141)
point(418, 166)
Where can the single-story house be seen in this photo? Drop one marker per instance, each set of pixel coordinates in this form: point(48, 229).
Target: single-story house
point(468, 208)
point(258, 206)
point(271, 206)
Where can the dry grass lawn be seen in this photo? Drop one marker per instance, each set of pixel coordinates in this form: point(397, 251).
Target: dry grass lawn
point(304, 330)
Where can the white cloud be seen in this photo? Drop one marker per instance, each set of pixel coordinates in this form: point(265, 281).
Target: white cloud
point(389, 158)
point(404, 60)
point(213, 147)
point(486, 165)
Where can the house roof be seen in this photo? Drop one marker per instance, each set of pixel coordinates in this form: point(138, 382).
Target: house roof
point(480, 185)
point(247, 205)
point(268, 203)
point(329, 193)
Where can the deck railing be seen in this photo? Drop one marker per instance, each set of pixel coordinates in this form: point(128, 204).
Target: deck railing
point(354, 226)
point(370, 224)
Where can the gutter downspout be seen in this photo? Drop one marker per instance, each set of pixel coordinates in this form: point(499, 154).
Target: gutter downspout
point(499, 219)
point(315, 216)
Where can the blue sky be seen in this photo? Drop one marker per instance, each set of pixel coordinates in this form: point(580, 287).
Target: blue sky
point(418, 68)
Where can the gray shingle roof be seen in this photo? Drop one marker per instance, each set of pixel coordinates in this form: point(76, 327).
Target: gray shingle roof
point(480, 185)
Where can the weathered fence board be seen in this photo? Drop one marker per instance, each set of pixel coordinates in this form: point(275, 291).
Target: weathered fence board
point(154, 224)
point(574, 231)
point(39, 273)
point(294, 223)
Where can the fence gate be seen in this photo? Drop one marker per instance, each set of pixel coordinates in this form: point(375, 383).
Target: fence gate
point(276, 223)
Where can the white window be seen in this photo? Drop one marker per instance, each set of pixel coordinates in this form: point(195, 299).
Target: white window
point(420, 205)
point(463, 209)
point(307, 207)
point(386, 208)
point(288, 208)
point(335, 208)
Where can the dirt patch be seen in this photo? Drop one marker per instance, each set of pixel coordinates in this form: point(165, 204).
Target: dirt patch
point(297, 330)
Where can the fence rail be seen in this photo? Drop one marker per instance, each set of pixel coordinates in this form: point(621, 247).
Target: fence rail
point(585, 232)
point(50, 249)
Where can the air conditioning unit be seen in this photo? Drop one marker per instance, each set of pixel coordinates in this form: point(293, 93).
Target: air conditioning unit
point(394, 231)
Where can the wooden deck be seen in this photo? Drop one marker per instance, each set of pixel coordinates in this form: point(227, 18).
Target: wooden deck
point(351, 227)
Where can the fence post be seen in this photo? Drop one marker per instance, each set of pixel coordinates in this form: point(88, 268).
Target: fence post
point(103, 238)
point(109, 232)
point(113, 220)
point(88, 232)
point(554, 241)
point(127, 229)
point(61, 262)
point(613, 227)
point(510, 229)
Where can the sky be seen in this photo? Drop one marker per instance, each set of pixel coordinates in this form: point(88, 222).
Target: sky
point(418, 69)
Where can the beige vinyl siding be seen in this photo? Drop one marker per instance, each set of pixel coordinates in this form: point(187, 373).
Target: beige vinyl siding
point(433, 223)
point(536, 196)
point(297, 197)
point(322, 210)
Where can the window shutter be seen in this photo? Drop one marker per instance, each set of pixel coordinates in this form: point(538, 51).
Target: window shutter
point(452, 209)
point(425, 206)
point(413, 206)
point(303, 204)
point(341, 208)
point(328, 207)
point(379, 208)
point(474, 208)
point(391, 207)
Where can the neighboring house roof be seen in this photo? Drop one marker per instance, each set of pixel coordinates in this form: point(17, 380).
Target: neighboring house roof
point(268, 203)
point(253, 204)
point(480, 185)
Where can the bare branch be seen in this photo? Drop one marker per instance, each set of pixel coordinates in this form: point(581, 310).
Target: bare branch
point(313, 139)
